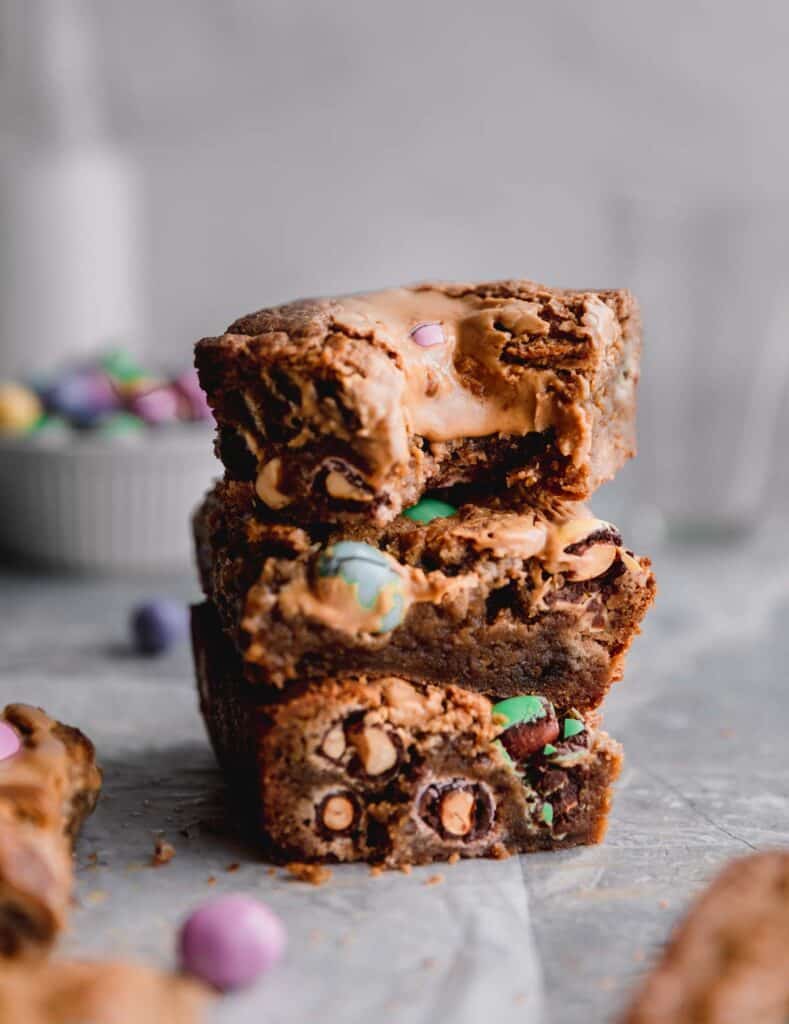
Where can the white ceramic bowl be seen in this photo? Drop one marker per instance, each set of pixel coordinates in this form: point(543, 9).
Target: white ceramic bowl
point(87, 503)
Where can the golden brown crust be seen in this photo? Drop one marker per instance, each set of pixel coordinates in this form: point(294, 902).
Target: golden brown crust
point(46, 791)
point(340, 415)
point(727, 960)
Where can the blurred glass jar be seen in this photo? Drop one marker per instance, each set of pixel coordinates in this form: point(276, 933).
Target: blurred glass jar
point(712, 276)
point(70, 245)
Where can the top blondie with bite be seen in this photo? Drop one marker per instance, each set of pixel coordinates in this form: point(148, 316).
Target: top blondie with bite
point(354, 407)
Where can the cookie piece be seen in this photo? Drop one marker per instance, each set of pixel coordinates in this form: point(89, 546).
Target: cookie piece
point(727, 959)
point(98, 993)
point(396, 772)
point(488, 599)
point(353, 407)
point(48, 785)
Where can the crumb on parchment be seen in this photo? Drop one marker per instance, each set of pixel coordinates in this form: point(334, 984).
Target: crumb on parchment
point(163, 852)
point(314, 874)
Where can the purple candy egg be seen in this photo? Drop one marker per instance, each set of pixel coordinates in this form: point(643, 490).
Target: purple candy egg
point(428, 334)
point(81, 396)
point(159, 625)
point(229, 942)
point(188, 387)
point(156, 406)
point(10, 743)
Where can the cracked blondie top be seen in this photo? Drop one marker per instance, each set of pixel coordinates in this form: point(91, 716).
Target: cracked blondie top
point(489, 599)
point(353, 407)
point(394, 771)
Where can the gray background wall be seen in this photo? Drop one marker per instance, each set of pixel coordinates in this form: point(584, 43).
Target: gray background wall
point(289, 147)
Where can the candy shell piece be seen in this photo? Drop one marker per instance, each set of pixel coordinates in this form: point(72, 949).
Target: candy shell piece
point(156, 406)
point(428, 509)
point(428, 335)
point(158, 625)
point(10, 742)
point(528, 709)
point(572, 726)
point(231, 941)
point(20, 409)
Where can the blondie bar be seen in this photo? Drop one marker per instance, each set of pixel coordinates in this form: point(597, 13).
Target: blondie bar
point(353, 407)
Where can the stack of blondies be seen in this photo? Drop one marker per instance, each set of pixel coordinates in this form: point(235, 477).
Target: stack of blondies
point(412, 619)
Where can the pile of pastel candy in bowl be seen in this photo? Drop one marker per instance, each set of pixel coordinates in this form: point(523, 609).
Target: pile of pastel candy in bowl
point(111, 396)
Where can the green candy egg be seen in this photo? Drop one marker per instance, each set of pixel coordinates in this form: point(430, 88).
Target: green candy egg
point(522, 709)
point(428, 509)
point(369, 571)
point(120, 424)
point(122, 366)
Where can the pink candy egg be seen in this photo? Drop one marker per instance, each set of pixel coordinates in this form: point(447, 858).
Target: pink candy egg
point(158, 405)
point(10, 743)
point(188, 387)
point(428, 335)
point(229, 942)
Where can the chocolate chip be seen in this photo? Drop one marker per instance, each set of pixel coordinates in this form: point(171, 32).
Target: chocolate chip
point(458, 809)
point(566, 799)
point(338, 814)
point(558, 790)
point(552, 781)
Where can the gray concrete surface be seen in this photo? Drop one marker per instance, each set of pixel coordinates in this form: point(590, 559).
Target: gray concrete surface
point(554, 937)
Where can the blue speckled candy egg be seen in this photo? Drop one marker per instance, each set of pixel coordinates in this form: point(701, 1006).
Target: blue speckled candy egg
point(370, 572)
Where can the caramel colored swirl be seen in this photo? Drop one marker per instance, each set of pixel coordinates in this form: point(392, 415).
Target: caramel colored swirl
point(464, 388)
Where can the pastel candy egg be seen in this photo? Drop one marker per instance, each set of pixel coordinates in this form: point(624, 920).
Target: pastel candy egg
point(428, 509)
point(369, 572)
point(231, 941)
point(19, 409)
point(121, 366)
point(121, 425)
point(10, 743)
point(427, 335)
point(531, 725)
point(188, 387)
point(156, 406)
point(158, 625)
point(82, 397)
